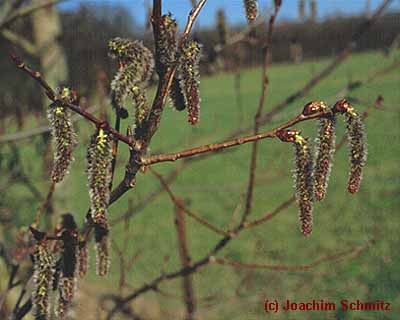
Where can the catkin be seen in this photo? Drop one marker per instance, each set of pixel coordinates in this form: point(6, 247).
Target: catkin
point(99, 172)
point(166, 41)
point(42, 277)
point(190, 79)
point(99, 158)
point(303, 175)
point(136, 66)
point(83, 259)
point(102, 248)
point(324, 155)
point(304, 183)
point(357, 144)
point(357, 150)
point(64, 138)
point(251, 7)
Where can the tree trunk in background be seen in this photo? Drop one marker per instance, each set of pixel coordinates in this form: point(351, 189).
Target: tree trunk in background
point(302, 10)
point(47, 31)
point(368, 8)
point(313, 10)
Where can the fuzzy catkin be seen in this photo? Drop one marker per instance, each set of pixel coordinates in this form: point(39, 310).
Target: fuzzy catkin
point(42, 277)
point(64, 138)
point(357, 149)
point(99, 172)
point(190, 79)
point(102, 248)
point(136, 66)
point(83, 259)
point(166, 41)
point(62, 308)
point(304, 183)
point(99, 158)
point(251, 7)
point(325, 149)
point(140, 103)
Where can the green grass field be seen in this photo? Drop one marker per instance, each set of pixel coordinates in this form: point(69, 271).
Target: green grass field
point(216, 188)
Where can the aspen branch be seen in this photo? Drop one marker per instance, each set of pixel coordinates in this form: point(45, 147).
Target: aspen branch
point(36, 75)
point(230, 143)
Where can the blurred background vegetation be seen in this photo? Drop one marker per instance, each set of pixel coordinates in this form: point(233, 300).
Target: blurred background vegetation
point(70, 47)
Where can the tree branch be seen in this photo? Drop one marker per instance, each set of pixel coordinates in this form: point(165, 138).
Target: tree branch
point(257, 116)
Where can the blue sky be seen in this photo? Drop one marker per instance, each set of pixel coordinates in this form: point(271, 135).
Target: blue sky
point(233, 8)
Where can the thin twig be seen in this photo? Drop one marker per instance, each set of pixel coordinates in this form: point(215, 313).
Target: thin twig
point(45, 204)
point(230, 143)
point(257, 116)
point(187, 283)
point(31, 133)
point(334, 257)
point(53, 97)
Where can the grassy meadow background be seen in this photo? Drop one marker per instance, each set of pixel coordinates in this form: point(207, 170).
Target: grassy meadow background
point(216, 186)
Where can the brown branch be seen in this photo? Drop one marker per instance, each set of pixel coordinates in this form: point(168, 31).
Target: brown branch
point(45, 204)
point(36, 75)
point(187, 282)
point(183, 208)
point(334, 257)
point(257, 117)
point(230, 143)
point(151, 124)
point(270, 215)
point(15, 137)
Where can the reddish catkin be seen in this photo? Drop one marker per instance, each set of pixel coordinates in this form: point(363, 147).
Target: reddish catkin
point(42, 278)
point(64, 137)
point(325, 147)
point(251, 7)
point(303, 175)
point(83, 259)
point(190, 79)
point(357, 145)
